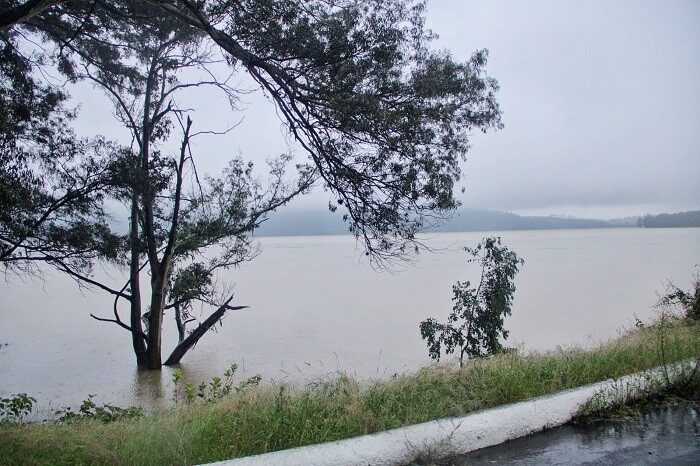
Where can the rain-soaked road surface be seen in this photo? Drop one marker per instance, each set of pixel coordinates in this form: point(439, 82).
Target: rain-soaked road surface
point(668, 436)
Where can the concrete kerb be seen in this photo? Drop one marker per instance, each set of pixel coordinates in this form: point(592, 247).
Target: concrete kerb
point(455, 436)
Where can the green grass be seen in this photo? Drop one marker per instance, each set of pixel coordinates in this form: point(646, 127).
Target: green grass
point(277, 417)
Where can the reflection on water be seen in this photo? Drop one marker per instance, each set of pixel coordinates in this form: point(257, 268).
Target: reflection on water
point(150, 389)
point(318, 307)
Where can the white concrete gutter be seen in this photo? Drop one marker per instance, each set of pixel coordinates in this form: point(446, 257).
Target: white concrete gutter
point(448, 437)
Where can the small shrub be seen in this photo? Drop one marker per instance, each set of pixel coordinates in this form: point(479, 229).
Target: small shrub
point(16, 408)
point(216, 389)
point(89, 410)
point(688, 301)
point(475, 325)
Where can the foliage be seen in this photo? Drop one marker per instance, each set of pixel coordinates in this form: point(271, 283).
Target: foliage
point(384, 119)
point(476, 323)
point(89, 410)
point(216, 389)
point(16, 408)
point(51, 182)
point(688, 301)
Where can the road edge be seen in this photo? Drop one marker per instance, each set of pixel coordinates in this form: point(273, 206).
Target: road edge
point(456, 436)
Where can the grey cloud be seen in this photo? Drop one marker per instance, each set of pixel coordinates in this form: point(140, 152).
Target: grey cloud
point(601, 101)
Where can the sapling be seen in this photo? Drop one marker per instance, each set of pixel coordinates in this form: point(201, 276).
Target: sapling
point(475, 326)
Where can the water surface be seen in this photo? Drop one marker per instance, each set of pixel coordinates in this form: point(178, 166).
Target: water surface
point(317, 306)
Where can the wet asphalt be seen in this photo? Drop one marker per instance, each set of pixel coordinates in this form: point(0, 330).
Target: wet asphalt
point(666, 436)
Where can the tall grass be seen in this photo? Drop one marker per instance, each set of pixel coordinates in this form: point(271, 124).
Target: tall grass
point(279, 416)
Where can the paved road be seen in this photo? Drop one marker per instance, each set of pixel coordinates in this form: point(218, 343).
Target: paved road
point(667, 436)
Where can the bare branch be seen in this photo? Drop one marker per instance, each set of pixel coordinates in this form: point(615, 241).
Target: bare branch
point(120, 323)
point(80, 278)
point(192, 339)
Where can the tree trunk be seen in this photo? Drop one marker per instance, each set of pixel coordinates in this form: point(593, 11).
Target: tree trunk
point(185, 345)
point(158, 271)
point(134, 275)
point(180, 324)
point(155, 328)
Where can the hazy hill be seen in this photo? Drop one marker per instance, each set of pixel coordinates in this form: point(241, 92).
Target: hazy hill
point(316, 222)
point(298, 222)
point(491, 220)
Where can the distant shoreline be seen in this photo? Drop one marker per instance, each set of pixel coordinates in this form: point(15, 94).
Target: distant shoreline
point(320, 223)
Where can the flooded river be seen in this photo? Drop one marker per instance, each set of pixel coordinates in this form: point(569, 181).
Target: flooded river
point(317, 306)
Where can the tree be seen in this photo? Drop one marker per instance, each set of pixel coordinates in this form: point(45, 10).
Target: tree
point(383, 119)
point(171, 228)
point(475, 326)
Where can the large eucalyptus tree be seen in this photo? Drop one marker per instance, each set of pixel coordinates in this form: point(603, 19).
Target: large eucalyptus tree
point(176, 217)
point(383, 119)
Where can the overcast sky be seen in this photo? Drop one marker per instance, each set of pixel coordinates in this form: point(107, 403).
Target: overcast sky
point(600, 100)
point(601, 103)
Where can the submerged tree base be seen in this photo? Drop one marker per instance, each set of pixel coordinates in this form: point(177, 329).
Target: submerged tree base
point(278, 416)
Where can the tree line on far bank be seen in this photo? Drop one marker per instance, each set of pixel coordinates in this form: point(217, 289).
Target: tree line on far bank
point(678, 220)
point(315, 222)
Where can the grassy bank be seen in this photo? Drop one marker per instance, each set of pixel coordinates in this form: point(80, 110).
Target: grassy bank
point(277, 417)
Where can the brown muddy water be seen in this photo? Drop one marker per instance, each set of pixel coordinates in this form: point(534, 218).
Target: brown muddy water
point(317, 308)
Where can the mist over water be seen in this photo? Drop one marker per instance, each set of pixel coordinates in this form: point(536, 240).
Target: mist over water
point(317, 307)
